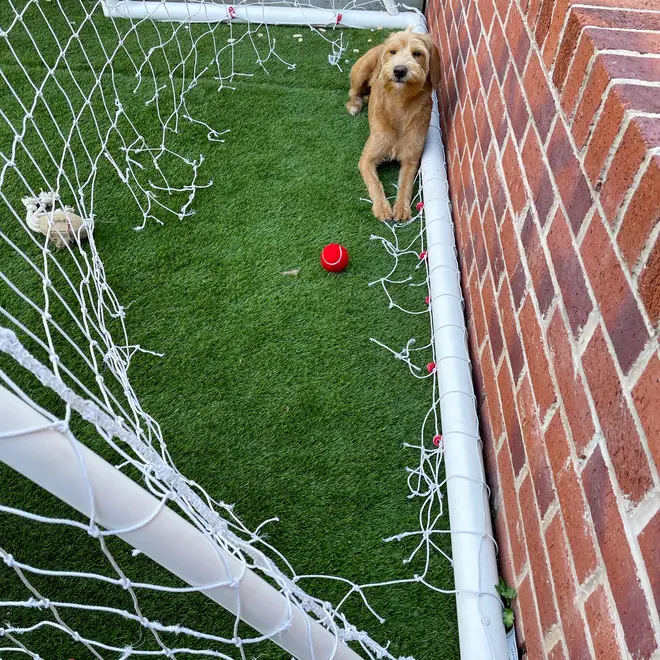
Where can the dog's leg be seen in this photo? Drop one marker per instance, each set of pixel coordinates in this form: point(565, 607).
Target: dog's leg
point(354, 103)
point(406, 181)
point(374, 152)
point(361, 73)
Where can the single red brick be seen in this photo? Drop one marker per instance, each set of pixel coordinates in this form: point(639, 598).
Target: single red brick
point(474, 24)
point(480, 254)
point(535, 445)
point(493, 246)
point(572, 184)
point(571, 620)
point(567, 47)
point(544, 20)
point(619, 564)
point(571, 501)
point(470, 128)
point(514, 267)
point(459, 130)
point(473, 352)
point(483, 127)
point(642, 216)
point(537, 557)
point(539, 96)
point(461, 84)
point(516, 33)
point(621, 314)
point(537, 264)
point(628, 458)
point(649, 544)
point(569, 273)
point(515, 104)
point(536, 358)
point(468, 183)
point(452, 92)
point(485, 65)
point(511, 167)
point(645, 396)
point(617, 4)
point(499, 50)
point(643, 43)
point(463, 40)
point(626, 163)
point(610, 14)
point(489, 448)
point(571, 385)
point(490, 389)
point(538, 177)
point(511, 508)
point(504, 554)
point(497, 190)
point(481, 182)
point(649, 284)
point(554, 30)
point(526, 604)
point(492, 320)
point(602, 626)
point(511, 421)
point(487, 12)
point(473, 79)
point(559, 451)
point(477, 313)
point(497, 114)
point(511, 336)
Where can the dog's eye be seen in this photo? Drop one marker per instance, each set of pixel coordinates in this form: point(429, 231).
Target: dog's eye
point(392, 52)
point(417, 54)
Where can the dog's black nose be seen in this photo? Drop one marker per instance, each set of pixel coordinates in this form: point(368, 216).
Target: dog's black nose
point(400, 71)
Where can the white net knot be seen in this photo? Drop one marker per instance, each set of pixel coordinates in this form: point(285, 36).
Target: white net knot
point(93, 531)
point(61, 426)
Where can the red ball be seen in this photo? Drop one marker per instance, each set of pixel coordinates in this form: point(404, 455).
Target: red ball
point(334, 257)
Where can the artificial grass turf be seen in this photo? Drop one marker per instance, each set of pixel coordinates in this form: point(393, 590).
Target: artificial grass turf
point(270, 393)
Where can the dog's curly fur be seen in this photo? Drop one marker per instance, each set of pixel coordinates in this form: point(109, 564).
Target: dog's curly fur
point(397, 80)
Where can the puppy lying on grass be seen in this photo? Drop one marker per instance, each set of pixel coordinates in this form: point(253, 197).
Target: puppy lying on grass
point(397, 80)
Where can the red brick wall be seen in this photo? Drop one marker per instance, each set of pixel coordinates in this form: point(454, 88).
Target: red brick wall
point(551, 116)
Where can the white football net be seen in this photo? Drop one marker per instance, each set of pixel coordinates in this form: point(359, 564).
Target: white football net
point(67, 119)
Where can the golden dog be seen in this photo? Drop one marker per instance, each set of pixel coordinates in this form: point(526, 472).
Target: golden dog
point(397, 79)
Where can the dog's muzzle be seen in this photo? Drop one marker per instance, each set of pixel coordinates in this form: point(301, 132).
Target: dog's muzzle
point(400, 72)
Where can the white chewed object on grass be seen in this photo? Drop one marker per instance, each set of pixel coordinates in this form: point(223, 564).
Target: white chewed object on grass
point(62, 226)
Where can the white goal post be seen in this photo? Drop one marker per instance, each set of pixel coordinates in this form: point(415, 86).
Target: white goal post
point(53, 461)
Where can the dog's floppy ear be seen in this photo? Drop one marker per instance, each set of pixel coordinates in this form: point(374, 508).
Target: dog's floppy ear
point(434, 64)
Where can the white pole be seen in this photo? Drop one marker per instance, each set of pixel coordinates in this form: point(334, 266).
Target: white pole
point(479, 610)
point(207, 12)
point(47, 458)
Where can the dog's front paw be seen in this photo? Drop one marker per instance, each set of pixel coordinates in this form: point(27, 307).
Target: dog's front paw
point(402, 212)
point(354, 106)
point(382, 210)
